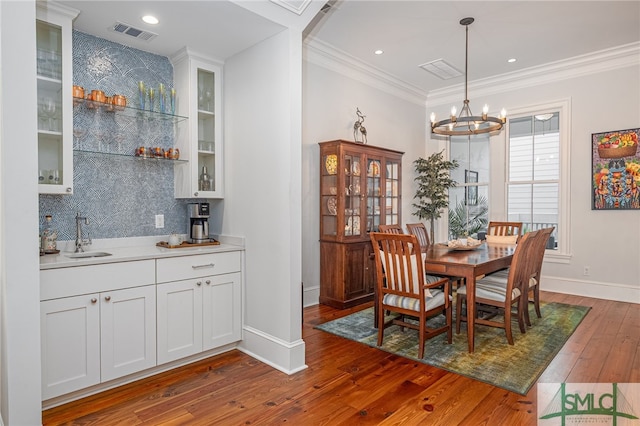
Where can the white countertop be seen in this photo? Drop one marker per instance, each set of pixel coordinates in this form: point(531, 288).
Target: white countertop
point(129, 249)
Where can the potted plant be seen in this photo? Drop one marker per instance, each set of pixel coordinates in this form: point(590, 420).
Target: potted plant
point(434, 180)
point(462, 224)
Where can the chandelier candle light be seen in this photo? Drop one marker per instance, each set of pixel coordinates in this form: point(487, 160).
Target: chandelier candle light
point(466, 123)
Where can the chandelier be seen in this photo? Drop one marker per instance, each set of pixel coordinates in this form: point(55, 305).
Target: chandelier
point(466, 123)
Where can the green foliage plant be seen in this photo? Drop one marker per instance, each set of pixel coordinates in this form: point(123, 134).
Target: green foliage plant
point(461, 225)
point(433, 176)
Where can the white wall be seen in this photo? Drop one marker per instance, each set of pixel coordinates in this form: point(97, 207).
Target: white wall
point(262, 169)
point(329, 111)
point(19, 263)
point(601, 98)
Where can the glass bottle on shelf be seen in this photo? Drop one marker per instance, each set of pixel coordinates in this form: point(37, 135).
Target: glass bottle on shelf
point(205, 180)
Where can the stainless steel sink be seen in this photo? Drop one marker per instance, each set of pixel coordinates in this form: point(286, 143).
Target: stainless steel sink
point(88, 254)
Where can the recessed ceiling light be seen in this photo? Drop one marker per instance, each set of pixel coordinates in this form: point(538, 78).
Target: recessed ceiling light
point(379, 52)
point(512, 60)
point(150, 19)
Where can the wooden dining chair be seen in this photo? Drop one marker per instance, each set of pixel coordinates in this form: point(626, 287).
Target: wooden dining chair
point(533, 284)
point(504, 232)
point(402, 287)
point(391, 229)
point(420, 231)
point(503, 299)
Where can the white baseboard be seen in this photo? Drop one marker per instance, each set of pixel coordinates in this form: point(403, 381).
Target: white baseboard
point(599, 290)
point(310, 296)
point(287, 357)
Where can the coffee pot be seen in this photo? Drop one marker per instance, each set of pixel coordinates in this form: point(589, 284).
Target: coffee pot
point(198, 222)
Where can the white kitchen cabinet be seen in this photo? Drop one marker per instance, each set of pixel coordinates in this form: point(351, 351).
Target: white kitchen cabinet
point(179, 319)
point(70, 344)
point(98, 323)
point(127, 331)
point(198, 81)
point(95, 338)
point(221, 319)
point(202, 310)
point(54, 101)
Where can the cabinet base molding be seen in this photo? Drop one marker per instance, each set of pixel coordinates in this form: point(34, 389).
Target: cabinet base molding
point(345, 304)
point(73, 396)
point(287, 357)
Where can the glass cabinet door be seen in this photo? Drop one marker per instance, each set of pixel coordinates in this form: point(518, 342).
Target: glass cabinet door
point(374, 194)
point(329, 194)
point(392, 192)
point(206, 131)
point(352, 195)
point(55, 157)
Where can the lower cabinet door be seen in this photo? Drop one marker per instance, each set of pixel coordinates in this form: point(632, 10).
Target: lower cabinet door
point(179, 313)
point(128, 331)
point(221, 310)
point(70, 344)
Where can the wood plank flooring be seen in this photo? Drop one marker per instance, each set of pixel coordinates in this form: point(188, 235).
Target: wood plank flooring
point(352, 384)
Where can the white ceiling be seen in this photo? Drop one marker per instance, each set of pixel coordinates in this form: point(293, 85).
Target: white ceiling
point(410, 32)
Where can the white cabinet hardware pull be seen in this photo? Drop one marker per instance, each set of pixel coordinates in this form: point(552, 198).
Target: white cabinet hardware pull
point(208, 265)
point(208, 282)
point(199, 283)
point(94, 300)
point(107, 298)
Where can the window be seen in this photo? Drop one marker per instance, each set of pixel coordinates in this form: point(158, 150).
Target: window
point(469, 200)
point(537, 164)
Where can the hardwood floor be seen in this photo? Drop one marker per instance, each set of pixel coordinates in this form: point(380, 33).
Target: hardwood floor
point(348, 383)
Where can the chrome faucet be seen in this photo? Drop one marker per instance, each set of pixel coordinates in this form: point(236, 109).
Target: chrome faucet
point(80, 242)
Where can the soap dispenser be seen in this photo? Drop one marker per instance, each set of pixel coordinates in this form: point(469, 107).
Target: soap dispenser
point(49, 236)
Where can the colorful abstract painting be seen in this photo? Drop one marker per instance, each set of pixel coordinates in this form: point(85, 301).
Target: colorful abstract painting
point(615, 170)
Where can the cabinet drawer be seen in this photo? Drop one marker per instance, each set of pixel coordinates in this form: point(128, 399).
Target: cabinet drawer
point(65, 282)
point(185, 267)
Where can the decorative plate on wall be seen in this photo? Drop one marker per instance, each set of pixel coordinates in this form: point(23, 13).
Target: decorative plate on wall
point(331, 164)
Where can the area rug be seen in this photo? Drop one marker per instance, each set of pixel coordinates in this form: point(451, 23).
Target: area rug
point(515, 368)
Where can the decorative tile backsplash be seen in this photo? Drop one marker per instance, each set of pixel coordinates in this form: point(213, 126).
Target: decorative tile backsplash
point(119, 194)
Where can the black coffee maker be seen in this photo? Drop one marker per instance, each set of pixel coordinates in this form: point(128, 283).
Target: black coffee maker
point(198, 222)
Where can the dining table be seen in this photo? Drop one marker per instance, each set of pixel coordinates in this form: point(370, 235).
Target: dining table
point(468, 263)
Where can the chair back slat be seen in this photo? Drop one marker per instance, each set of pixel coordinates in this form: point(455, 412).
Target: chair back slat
point(420, 231)
point(522, 264)
point(399, 268)
point(391, 229)
point(504, 229)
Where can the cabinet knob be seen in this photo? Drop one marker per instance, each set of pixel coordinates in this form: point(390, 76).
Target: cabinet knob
point(195, 194)
point(199, 283)
point(208, 282)
point(94, 300)
point(68, 189)
point(107, 298)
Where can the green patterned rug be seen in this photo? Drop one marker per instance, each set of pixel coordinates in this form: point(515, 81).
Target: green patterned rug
point(515, 368)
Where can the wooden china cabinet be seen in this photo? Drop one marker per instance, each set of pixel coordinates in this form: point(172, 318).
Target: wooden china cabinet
point(360, 189)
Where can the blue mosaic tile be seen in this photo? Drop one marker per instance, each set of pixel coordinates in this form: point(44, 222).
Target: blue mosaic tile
point(119, 195)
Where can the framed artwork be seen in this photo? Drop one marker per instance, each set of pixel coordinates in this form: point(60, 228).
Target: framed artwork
point(471, 192)
point(615, 168)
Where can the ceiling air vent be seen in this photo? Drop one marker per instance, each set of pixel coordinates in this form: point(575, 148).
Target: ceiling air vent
point(122, 28)
point(441, 69)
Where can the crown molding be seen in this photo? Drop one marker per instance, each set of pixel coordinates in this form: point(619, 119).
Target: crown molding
point(329, 57)
point(592, 63)
point(322, 54)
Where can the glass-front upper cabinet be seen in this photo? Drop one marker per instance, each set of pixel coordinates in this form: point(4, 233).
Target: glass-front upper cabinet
point(360, 189)
point(201, 79)
point(54, 81)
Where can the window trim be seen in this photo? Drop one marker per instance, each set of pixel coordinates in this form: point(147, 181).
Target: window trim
point(563, 106)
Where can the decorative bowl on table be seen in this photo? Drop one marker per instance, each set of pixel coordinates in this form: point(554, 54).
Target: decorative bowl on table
point(463, 244)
